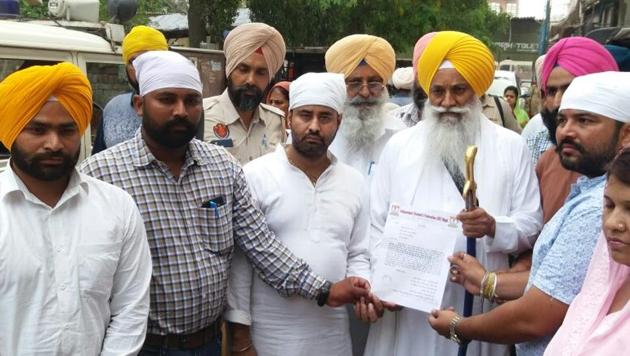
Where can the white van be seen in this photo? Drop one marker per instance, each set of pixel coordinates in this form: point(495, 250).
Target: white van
point(24, 44)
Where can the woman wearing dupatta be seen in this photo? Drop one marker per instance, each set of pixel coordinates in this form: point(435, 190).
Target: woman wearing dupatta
point(598, 320)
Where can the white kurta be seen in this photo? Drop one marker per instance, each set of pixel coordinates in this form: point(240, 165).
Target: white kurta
point(507, 189)
point(326, 225)
point(366, 159)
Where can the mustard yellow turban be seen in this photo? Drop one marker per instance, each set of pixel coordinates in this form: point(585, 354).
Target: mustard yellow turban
point(470, 57)
point(248, 38)
point(345, 55)
point(23, 93)
point(142, 38)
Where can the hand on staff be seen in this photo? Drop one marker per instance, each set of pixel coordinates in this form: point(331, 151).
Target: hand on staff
point(467, 271)
point(477, 223)
point(440, 320)
point(371, 309)
point(347, 291)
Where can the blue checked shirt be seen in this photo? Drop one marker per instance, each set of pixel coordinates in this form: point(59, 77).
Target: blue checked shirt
point(564, 248)
point(191, 245)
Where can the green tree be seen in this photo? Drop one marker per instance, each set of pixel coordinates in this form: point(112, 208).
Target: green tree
point(210, 17)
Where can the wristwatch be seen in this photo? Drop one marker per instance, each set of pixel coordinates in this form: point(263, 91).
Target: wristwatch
point(324, 292)
point(452, 332)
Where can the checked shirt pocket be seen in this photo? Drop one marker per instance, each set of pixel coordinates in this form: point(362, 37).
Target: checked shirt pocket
point(216, 229)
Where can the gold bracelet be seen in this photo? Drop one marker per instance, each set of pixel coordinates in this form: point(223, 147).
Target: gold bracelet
point(451, 329)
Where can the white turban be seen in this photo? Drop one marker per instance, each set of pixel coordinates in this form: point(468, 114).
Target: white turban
point(165, 69)
point(325, 89)
point(605, 93)
point(403, 78)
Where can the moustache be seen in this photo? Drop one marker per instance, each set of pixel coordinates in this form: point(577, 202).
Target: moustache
point(358, 101)
point(48, 155)
point(575, 145)
point(453, 110)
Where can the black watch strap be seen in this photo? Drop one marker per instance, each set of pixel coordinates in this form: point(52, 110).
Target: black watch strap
point(324, 292)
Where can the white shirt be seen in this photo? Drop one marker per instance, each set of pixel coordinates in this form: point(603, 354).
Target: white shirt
point(325, 225)
point(366, 159)
point(507, 189)
point(74, 279)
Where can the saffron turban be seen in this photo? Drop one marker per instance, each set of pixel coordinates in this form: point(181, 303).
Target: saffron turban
point(140, 39)
point(255, 37)
point(23, 93)
point(578, 56)
point(325, 89)
point(469, 56)
point(419, 48)
point(603, 93)
point(166, 69)
point(345, 55)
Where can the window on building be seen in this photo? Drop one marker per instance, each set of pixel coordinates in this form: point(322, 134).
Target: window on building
point(511, 9)
point(495, 6)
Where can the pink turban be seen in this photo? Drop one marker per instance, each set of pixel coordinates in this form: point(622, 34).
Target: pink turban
point(419, 48)
point(578, 56)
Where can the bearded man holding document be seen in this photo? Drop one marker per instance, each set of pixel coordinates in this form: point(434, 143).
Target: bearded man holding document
point(423, 169)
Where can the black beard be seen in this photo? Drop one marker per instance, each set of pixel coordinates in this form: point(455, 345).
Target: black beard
point(164, 136)
point(310, 150)
point(591, 164)
point(550, 119)
point(245, 97)
point(32, 166)
point(419, 97)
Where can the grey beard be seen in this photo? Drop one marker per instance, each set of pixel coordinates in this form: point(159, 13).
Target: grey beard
point(450, 135)
point(362, 126)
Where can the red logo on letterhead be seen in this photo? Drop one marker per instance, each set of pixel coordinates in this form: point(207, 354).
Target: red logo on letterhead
point(221, 130)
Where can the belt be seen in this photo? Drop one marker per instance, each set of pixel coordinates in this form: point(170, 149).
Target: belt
point(185, 341)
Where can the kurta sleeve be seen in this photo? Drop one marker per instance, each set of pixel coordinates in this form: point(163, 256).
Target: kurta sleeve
point(359, 244)
point(517, 231)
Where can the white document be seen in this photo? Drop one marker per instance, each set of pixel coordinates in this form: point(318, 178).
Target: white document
point(412, 266)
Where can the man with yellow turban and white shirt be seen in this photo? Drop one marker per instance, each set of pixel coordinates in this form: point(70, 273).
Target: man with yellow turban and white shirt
point(75, 264)
point(422, 168)
point(237, 119)
point(367, 63)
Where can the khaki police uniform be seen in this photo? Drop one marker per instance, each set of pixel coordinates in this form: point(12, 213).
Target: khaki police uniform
point(223, 126)
point(490, 110)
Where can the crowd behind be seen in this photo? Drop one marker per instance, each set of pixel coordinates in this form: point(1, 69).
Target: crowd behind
point(250, 223)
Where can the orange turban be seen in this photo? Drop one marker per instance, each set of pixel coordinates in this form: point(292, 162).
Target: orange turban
point(470, 57)
point(23, 93)
point(142, 38)
point(345, 55)
point(248, 38)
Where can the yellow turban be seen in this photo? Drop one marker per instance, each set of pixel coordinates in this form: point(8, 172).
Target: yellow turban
point(345, 55)
point(23, 93)
point(470, 57)
point(142, 38)
point(248, 38)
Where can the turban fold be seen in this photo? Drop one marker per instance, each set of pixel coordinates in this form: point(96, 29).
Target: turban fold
point(248, 38)
point(23, 93)
point(578, 56)
point(604, 93)
point(142, 38)
point(166, 69)
point(419, 48)
point(469, 56)
point(403, 78)
point(345, 55)
point(325, 89)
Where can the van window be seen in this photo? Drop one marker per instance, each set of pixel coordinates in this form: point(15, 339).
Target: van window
point(107, 80)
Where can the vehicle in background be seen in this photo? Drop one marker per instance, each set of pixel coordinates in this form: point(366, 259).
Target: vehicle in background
point(522, 69)
point(502, 80)
point(23, 44)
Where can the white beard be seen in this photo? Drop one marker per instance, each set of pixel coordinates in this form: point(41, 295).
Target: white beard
point(451, 131)
point(361, 126)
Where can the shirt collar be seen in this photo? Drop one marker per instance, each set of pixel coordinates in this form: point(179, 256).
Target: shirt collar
point(230, 115)
point(144, 157)
point(584, 184)
point(11, 183)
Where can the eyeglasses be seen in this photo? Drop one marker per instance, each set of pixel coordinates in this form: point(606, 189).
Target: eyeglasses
point(375, 88)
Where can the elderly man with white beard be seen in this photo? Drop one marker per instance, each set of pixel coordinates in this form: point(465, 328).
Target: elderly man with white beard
point(422, 168)
point(367, 63)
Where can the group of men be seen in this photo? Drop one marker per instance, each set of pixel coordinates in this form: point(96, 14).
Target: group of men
point(149, 244)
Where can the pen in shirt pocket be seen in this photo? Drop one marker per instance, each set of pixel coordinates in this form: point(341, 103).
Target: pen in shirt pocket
point(214, 204)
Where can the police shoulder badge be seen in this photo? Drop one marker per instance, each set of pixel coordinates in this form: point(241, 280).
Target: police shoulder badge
point(221, 130)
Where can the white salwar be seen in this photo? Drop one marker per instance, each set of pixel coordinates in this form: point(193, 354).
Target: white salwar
point(365, 159)
point(325, 224)
point(411, 175)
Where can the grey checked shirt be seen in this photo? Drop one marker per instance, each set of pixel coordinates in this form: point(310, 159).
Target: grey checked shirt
point(408, 114)
point(192, 246)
